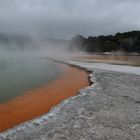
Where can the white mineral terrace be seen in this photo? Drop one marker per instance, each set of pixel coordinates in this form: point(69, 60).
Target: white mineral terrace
point(110, 67)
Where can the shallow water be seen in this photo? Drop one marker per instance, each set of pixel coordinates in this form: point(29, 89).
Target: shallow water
point(21, 73)
point(110, 58)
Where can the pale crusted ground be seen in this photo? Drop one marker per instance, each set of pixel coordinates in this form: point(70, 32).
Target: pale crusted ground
point(107, 110)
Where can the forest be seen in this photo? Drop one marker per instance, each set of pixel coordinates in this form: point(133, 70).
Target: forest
point(126, 42)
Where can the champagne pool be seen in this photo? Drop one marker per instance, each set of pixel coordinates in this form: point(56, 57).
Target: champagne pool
point(21, 73)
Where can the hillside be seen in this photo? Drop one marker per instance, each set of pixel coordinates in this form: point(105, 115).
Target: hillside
point(126, 42)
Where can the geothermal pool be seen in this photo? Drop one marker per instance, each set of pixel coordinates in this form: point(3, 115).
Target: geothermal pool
point(28, 91)
point(23, 72)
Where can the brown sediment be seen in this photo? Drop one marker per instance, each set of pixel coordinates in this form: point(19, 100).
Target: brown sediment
point(39, 101)
point(110, 58)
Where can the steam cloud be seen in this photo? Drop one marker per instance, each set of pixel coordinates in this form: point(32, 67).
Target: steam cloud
point(65, 18)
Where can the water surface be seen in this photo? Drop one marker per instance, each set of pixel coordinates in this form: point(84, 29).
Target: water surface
point(19, 73)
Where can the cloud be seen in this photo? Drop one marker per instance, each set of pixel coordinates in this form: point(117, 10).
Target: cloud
point(65, 18)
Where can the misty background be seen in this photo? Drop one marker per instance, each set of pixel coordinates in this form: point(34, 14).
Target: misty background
point(47, 25)
point(63, 19)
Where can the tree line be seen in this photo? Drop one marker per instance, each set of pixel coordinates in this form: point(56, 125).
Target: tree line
point(126, 42)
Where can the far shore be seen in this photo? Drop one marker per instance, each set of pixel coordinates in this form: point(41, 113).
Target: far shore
point(122, 59)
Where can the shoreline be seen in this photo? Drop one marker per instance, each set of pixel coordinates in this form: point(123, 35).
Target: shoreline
point(33, 103)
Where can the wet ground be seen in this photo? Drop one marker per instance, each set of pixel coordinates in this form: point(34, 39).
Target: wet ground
point(109, 58)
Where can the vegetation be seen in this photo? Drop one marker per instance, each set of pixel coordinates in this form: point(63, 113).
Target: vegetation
point(126, 42)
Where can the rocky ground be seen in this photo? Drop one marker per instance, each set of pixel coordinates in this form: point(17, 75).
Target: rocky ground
point(109, 109)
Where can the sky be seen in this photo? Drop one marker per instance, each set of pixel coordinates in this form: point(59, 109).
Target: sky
point(67, 18)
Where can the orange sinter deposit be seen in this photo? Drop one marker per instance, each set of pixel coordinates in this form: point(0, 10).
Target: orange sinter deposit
point(39, 101)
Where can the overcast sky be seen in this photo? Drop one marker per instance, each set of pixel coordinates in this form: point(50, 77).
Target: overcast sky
point(66, 18)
